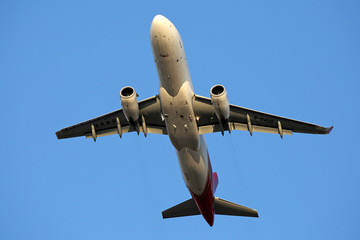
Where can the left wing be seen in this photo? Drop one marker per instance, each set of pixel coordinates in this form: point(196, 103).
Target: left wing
point(249, 120)
point(150, 121)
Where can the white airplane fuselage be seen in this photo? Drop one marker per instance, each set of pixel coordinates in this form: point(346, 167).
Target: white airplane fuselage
point(176, 98)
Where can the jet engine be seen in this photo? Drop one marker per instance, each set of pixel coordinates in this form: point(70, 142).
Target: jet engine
point(220, 102)
point(129, 104)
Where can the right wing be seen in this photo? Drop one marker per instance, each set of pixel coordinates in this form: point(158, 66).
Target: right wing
point(249, 120)
point(150, 121)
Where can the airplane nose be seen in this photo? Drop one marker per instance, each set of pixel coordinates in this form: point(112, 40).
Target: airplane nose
point(159, 24)
point(160, 19)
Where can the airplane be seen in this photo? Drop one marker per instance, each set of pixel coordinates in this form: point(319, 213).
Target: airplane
point(185, 117)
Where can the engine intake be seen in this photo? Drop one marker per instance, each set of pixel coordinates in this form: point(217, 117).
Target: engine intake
point(220, 102)
point(129, 104)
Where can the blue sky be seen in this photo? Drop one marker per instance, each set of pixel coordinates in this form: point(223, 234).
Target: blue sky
point(63, 62)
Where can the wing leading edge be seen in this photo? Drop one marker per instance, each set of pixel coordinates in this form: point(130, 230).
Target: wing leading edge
point(250, 120)
point(150, 121)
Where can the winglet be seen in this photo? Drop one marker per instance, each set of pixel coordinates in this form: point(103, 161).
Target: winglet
point(329, 129)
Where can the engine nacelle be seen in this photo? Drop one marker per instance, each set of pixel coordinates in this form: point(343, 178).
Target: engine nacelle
point(129, 104)
point(220, 102)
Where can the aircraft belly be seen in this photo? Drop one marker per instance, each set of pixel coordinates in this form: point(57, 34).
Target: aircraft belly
point(179, 118)
point(176, 98)
point(194, 167)
point(172, 76)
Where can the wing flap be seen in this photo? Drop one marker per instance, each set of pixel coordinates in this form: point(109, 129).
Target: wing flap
point(244, 127)
point(240, 126)
point(127, 129)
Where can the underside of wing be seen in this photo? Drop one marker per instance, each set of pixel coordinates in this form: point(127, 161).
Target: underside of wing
point(150, 121)
point(249, 120)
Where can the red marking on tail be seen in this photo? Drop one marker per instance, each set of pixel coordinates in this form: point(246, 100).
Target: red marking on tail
point(215, 182)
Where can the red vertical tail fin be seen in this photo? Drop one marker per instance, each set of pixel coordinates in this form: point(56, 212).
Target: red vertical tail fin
point(215, 182)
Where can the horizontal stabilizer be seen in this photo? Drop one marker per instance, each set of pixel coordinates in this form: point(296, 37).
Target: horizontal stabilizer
point(223, 207)
point(187, 208)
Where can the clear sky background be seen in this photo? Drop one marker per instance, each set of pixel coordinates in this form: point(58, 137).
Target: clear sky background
point(63, 62)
